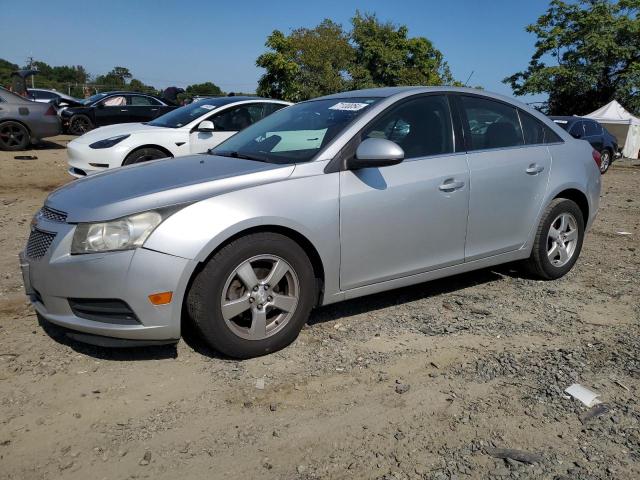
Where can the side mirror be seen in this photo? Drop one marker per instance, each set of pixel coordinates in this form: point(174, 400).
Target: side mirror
point(206, 126)
point(376, 152)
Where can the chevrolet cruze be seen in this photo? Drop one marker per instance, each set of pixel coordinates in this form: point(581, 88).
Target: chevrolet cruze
point(330, 199)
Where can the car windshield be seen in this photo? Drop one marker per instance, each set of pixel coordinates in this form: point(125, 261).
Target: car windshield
point(182, 116)
point(294, 134)
point(93, 98)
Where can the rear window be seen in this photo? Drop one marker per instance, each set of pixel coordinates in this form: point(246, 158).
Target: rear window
point(491, 124)
point(592, 128)
point(536, 132)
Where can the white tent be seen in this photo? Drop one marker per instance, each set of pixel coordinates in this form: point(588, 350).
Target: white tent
point(622, 124)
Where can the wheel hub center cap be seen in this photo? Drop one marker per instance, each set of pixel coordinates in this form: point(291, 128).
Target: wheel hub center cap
point(260, 295)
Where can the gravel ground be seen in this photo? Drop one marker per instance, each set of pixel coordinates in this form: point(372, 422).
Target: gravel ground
point(418, 383)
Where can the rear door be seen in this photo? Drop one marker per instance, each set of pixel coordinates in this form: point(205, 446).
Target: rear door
point(508, 177)
point(593, 134)
point(411, 217)
point(142, 108)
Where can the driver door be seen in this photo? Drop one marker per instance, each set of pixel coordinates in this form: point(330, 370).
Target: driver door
point(112, 110)
point(226, 124)
point(408, 218)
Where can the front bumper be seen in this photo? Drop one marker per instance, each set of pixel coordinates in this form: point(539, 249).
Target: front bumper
point(84, 160)
point(130, 276)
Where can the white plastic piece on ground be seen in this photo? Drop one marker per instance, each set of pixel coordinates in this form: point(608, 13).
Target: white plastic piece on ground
point(624, 233)
point(586, 396)
point(260, 384)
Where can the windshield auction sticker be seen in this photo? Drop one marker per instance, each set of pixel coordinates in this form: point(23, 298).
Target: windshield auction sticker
point(351, 107)
point(208, 107)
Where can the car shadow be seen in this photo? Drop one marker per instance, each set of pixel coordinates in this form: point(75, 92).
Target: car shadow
point(119, 354)
point(48, 145)
point(398, 296)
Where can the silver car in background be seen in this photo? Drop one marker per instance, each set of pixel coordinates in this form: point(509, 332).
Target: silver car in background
point(330, 199)
point(23, 121)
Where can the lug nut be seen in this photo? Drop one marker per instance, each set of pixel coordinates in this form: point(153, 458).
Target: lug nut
point(255, 289)
point(259, 306)
point(269, 298)
point(251, 299)
point(266, 287)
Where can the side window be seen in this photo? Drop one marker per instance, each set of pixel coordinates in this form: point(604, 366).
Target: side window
point(141, 101)
point(237, 118)
point(490, 124)
point(591, 129)
point(421, 126)
point(270, 108)
point(534, 131)
point(577, 130)
point(115, 101)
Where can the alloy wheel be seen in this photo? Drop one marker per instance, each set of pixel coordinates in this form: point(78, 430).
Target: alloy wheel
point(562, 239)
point(80, 125)
point(12, 135)
point(605, 159)
point(260, 297)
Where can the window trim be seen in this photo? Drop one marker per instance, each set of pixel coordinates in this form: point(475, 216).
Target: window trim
point(339, 162)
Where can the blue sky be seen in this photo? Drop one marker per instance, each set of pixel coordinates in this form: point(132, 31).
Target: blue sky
point(177, 43)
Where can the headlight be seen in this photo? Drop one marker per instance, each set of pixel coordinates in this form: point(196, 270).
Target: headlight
point(121, 234)
point(109, 142)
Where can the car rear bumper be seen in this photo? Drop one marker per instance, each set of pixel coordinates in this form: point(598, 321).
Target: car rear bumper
point(57, 280)
point(46, 126)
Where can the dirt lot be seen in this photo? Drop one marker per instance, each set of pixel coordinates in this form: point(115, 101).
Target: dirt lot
point(416, 383)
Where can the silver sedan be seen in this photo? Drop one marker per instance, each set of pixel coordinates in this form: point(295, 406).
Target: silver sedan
point(330, 199)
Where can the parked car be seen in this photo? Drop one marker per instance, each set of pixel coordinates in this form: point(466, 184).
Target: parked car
point(51, 96)
point(193, 128)
point(112, 107)
point(322, 201)
point(23, 121)
point(594, 133)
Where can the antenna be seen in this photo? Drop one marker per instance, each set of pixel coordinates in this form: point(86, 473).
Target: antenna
point(466, 84)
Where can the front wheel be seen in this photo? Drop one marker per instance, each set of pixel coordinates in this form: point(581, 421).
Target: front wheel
point(558, 240)
point(253, 296)
point(605, 161)
point(144, 155)
point(80, 124)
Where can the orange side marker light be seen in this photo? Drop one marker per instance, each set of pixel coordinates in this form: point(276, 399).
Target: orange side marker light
point(161, 298)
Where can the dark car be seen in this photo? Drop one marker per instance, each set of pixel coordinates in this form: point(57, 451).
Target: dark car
point(23, 121)
point(112, 107)
point(594, 133)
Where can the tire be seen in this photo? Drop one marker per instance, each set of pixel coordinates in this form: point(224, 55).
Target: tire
point(546, 263)
point(239, 336)
point(14, 136)
point(605, 161)
point(144, 155)
point(80, 124)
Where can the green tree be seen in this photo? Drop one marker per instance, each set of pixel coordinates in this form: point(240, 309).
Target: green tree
point(203, 89)
point(307, 63)
point(116, 78)
point(586, 54)
point(385, 55)
point(326, 59)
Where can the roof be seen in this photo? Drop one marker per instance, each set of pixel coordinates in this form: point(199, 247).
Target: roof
point(613, 112)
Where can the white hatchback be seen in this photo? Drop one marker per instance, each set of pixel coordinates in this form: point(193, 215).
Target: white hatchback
point(194, 128)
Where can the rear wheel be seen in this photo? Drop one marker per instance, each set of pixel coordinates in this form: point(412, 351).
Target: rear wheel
point(558, 240)
point(80, 124)
point(144, 155)
point(14, 136)
point(253, 296)
point(605, 161)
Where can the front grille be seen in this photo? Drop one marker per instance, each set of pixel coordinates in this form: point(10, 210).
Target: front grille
point(39, 242)
point(103, 310)
point(53, 215)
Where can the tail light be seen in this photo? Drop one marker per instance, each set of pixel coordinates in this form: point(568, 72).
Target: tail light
point(596, 157)
point(50, 111)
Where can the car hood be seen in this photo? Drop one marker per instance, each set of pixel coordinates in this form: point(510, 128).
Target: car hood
point(160, 183)
point(109, 131)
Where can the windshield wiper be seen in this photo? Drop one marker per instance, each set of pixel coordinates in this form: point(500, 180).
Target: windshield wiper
point(232, 154)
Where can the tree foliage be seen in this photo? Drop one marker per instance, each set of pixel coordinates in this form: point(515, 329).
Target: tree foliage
point(587, 53)
point(327, 59)
point(203, 89)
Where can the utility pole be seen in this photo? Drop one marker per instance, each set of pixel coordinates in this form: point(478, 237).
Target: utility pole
point(31, 62)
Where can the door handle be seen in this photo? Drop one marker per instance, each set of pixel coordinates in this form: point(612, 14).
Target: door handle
point(450, 185)
point(154, 109)
point(534, 169)
point(124, 110)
